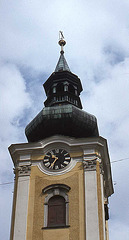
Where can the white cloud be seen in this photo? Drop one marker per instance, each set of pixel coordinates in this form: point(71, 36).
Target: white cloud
point(13, 101)
point(14, 97)
point(119, 231)
point(5, 211)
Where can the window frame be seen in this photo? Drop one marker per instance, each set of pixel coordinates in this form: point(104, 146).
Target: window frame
point(56, 190)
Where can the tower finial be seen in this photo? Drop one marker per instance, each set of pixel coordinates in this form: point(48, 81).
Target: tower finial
point(61, 42)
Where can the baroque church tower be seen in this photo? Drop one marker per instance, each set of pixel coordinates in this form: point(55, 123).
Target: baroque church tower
point(63, 174)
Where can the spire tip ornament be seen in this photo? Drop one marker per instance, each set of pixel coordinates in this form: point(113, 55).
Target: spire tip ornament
point(61, 42)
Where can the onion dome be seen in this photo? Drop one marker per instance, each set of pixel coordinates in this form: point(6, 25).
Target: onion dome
point(66, 120)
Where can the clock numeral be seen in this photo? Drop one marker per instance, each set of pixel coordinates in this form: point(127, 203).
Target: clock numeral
point(66, 154)
point(47, 155)
point(51, 152)
point(67, 158)
point(62, 151)
point(47, 164)
point(56, 150)
point(66, 162)
point(46, 160)
point(62, 166)
point(56, 167)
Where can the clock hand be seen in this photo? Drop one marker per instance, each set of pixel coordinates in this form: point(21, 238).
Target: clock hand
point(53, 161)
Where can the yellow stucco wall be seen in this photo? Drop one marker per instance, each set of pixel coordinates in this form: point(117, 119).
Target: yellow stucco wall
point(39, 180)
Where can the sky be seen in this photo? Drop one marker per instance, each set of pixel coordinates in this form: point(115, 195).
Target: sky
point(97, 50)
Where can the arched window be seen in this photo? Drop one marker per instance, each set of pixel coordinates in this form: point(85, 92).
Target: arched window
point(56, 211)
point(56, 206)
point(60, 88)
point(71, 89)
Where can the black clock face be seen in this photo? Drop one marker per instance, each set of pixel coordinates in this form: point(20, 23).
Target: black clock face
point(56, 159)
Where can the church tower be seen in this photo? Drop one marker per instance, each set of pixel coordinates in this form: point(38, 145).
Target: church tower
point(63, 174)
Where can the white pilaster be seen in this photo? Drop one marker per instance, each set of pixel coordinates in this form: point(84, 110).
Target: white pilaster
point(103, 213)
point(91, 201)
point(20, 223)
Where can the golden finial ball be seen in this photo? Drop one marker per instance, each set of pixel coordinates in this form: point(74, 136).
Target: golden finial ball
point(62, 42)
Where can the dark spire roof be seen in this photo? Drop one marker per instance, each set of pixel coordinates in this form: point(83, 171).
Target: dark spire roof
point(62, 113)
point(62, 64)
point(62, 87)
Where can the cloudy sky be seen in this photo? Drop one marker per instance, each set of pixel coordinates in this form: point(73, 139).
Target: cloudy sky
point(97, 50)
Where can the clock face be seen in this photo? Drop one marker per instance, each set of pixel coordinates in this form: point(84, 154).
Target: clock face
point(56, 159)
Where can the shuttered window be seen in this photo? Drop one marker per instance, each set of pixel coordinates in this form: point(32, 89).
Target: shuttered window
point(56, 211)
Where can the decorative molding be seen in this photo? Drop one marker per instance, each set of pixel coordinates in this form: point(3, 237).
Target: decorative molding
point(25, 157)
point(23, 170)
point(62, 187)
point(101, 168)
point(89, 165)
